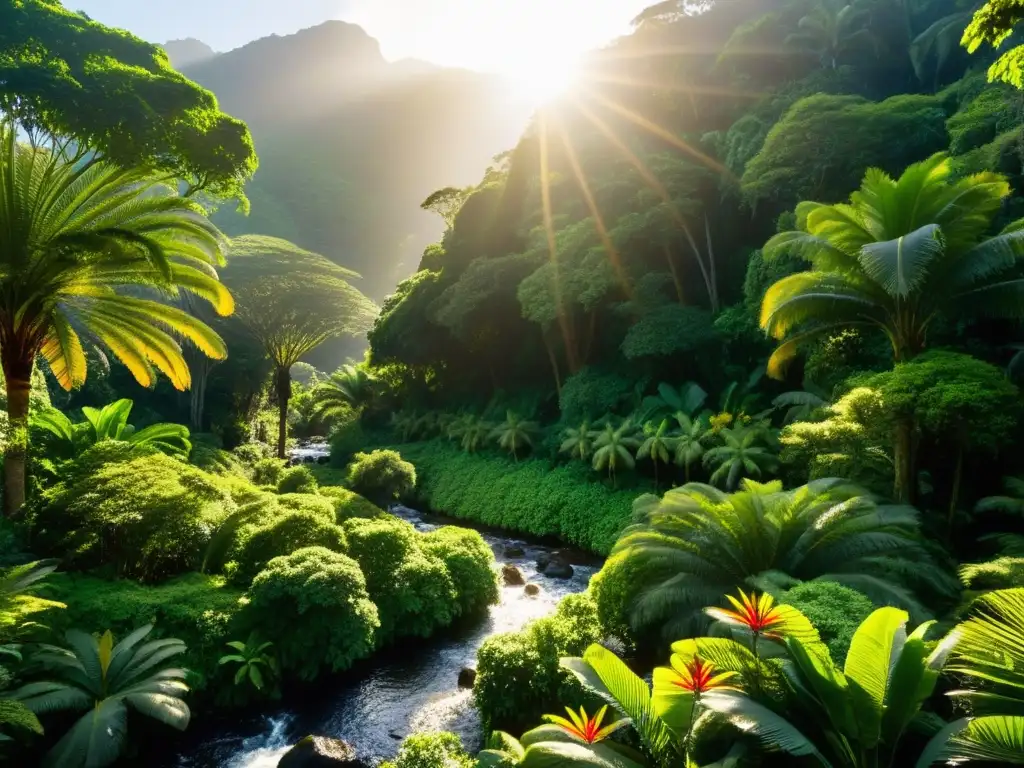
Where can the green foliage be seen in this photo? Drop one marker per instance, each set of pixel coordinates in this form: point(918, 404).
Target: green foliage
point(822, 145)
point(614, 448)
point(993, 23)
point(350, 388)
point(515, 434)
point(298, 479)
point(20, 600)
point(903, 251)
point(268, 471)
point(313, 605)
point(199, 609)
point(985, 117)
point(105, 680)
point(834, 610)
point(743, 453)
point(256, 664)
point(381, 475)
point(670, 330)
point(591, 394)
point(518, 673)
point(697, 543)
point(111, 423)
point(528, 496)
point(431, 750)
point(414, 592)
point(142, 112)
point(468, 561)
point(349, 505)
point(148, 516)
point(283, 535)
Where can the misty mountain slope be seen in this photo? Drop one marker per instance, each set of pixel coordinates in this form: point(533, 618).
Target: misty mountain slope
point(350, 144)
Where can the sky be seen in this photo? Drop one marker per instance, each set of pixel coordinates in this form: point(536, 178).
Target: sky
point(491, 35)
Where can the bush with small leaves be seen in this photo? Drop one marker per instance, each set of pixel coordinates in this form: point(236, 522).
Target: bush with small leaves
point(518, 673)
point(349, 505)
point(414, 592)
point(382, 476)
point(268, 471)
point(149, 515)
point(469, 562)
point(285, 534)
point(834, 610)
point(313, 605)
point(297, 480)
point(431, 750)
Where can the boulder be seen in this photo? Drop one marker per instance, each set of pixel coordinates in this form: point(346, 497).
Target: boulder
point(557, 568)
point(532, 590)
point(467, 676)
point(513, 550)
point(542, 561)
point(512, 576)
point(321, 752)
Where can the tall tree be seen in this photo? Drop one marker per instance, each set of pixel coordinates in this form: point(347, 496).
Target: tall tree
point(66, 262)
point(110, 94)
point(446, 203)
point(291, 301)
point(901, 253)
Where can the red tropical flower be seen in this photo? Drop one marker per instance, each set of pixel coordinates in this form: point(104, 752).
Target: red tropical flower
point(759, 615)
point(584, 727)
point(697, 675)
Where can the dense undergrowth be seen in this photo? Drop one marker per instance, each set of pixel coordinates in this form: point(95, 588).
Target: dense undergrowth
point(530, 496)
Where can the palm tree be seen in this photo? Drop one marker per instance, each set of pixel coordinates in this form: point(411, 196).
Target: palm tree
point(67, 262)
point(474, 434)
point(348, 388)
point(614, 449)
point(105, 680)
point(900, 254)
point(988, 657)
point(515, 433)
point(578, 442)
point(800, 404)
point(741, 455)
point(832, 28)
point(698, 543)
point(658, 446)
point(688, 443)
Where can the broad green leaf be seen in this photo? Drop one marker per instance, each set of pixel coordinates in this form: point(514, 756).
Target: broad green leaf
point(874, 647)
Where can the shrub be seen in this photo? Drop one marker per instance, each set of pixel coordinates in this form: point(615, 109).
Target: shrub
point(382, 476)
point(615, 589)
point(469, 562)
point(307, 502)
point(413, 592)
point(211, 459)
point(431, 750)
point(198, 609)
point(297, 480)
point(268, 471)
point(591, 394)
point(518, 673)
point(347, 438)
point(313, 605)
point(282, 536)
point(529, 496)
point(251, 454)
point(835, 611)
point(349, 505)
point(150, 515)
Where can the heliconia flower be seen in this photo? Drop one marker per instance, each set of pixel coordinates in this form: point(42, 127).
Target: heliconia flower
point(697, 675)
point(759, 615)
point(584, 727)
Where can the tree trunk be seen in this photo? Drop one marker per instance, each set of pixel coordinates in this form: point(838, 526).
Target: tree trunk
point(284, 395)
point(18, 372)
point(903, 460)
point(197, 394)
point(954, 496)
point(554, 362)
point(675, 275)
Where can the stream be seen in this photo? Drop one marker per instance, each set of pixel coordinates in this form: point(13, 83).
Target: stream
point(412, 687)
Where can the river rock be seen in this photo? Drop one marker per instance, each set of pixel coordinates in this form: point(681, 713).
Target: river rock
point(513, 550)
point(512, 576)
point(556, 567)
point(542, 561)
point(532, 590)
point(467, 676)
point(321, 752)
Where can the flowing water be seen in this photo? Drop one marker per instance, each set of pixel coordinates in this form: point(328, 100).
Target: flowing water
point(406, 689)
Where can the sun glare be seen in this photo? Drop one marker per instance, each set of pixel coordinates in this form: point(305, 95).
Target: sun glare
point(541, 79)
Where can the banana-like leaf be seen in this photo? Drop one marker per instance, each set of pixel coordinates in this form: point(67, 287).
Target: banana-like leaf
point(876, 645)
point(996, 739)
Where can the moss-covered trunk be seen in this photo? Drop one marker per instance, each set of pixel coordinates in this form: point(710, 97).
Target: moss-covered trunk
point(284, 396)
point(18, 373)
